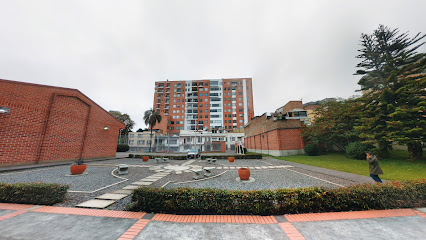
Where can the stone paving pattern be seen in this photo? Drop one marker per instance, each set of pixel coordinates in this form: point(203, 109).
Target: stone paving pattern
point(102, 187)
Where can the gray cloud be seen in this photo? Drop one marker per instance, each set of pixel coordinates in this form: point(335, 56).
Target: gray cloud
point(114, 51)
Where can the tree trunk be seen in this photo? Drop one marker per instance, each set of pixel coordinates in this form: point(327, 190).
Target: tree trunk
point(415, 150)
point(383, 150)
point(150, 142)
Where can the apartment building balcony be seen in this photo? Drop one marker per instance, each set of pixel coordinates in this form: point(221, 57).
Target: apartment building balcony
point(160, 86)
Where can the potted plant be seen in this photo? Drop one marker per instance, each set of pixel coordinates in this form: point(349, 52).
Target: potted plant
point(145, 158)
point(78, 168)
point(244, 173)
point(231, 159)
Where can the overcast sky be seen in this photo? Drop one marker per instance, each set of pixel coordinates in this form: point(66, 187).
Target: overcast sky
point(114, 51)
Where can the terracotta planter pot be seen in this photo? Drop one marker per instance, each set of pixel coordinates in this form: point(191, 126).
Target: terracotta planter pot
point(145, 158)
point(78, 169)
point(231, 159)
point(244, 173)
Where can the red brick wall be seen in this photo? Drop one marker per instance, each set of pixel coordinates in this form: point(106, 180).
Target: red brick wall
point(48, 124)
point(264, 133)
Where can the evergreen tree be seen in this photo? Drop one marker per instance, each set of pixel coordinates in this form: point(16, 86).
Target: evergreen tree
point(407, 124)
point(384, 54)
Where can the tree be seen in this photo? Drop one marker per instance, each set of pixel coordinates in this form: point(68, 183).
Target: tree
point(384, 53)
point(407, 124)
point(151, 118)
point(140, 130)
point(334, 124)
point(125, 118)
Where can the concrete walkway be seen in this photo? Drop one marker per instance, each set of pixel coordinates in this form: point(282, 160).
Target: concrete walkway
point(19, 221)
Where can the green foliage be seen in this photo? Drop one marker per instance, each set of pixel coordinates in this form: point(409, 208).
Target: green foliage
point(281, 201)
point(334, 124)
point(33, 193)
point(311, 150)
point(151, 118)
point(387, 55)
point(357, 150)
point(124, 118)
point(122, 147)
point(131, 156)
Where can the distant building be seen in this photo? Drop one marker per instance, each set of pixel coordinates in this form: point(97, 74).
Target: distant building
point(42, 123)
point(278, 134)
point(203, 104)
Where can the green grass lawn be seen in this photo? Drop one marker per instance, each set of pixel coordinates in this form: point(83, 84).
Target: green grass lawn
point(396, 167)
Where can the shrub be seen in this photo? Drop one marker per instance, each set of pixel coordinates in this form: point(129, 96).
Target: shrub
point(33, 193)
point(122, 147)
point(405, 194)
point(131, 156)
point(244, 150)
point(311, 150)
point(357, 150)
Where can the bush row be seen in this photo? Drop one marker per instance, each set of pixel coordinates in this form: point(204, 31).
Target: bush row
point(282, 201)
point(33, 193)
point(122, 147)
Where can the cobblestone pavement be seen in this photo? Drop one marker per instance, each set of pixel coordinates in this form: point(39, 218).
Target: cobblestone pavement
point(19, 221)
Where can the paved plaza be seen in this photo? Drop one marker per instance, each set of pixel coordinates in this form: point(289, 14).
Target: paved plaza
point(97, 198)
point(102, 187)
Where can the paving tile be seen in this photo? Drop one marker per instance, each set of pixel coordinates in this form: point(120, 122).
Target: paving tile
point(178, 172)
point(155, 177)
point(142, 183)
point(130, 187)
point(112, 196)
point(96, 203)
point(149, 179)
point(122, 191)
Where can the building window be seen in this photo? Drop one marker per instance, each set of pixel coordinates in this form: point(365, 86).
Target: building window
point(206, 116)
point(131, 142)
point(131, 135)
point(240, 110)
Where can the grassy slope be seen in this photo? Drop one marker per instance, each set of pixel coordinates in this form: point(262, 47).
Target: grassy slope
point(396, 167)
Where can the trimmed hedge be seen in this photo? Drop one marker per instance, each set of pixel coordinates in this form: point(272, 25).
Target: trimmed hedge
point(122, 147)
point(203, 156)
point(357, 150)
point(33, 193)
point(311, 150)
point(405, 194)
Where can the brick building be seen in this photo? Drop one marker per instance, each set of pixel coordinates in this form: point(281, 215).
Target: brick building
point(203, 104)
point(278, 134)
point(46, 124)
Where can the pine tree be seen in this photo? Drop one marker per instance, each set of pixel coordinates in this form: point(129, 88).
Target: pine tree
point(385, 53)
point(407, 124)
